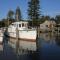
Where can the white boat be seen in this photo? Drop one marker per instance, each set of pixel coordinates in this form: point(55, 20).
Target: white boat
point(1, 36)
point(21, 30)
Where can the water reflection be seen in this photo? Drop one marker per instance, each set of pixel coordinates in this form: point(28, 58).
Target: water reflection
point(58, 39)
point(48, 38)
point(1, 48)
point(48, 48)
point(25, 50)
point(18, 50)
point(24, 47)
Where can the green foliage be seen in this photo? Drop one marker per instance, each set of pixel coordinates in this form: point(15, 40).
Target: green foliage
point(52, 18)
point(3, 22)
point(33, 11)
point(10, 14)
point(9, 17)
point(47, 17)
point(44, 18)
point(57, 18)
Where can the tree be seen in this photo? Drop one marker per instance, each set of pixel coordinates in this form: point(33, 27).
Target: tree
point(5, 22)
point(52, 18)
point(42, 19)
point(10, 14)
point(47, 17)
point(57, 18)
point(33, 11)
point(18, 14)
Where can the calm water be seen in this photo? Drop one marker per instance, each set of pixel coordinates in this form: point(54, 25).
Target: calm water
point(48, 48)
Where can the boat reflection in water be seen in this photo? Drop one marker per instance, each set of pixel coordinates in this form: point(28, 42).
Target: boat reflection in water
point(22, 46)
point(48, 48)
point(1, 41)
point(1, 47)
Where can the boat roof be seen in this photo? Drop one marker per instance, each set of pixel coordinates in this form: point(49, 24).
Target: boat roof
point(20, 22)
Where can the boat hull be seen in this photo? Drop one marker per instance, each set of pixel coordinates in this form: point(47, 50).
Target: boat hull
point(1, 37)
point(28, 35)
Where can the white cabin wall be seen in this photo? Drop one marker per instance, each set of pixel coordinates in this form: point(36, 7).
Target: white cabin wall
point(27, 34)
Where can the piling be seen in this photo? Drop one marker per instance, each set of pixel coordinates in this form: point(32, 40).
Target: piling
point(17, 40)
point(38, 32)
point(38, 35)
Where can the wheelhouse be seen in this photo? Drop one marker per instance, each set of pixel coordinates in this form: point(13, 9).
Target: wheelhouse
point(20, 25)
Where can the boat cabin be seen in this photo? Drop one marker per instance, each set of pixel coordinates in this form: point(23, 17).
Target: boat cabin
point(20, 25)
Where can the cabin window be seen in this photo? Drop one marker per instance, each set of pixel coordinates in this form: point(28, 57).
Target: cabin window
point(46, 25)
point(22, 24)
point(19, 25)
point(13, 25)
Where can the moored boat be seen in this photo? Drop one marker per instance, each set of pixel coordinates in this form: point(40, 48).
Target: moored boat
point(21, 30)
point(1, 36)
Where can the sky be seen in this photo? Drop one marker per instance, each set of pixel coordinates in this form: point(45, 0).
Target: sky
point(48, 7)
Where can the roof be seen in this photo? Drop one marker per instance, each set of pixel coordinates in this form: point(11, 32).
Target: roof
point(20, 22)
point(49, 22)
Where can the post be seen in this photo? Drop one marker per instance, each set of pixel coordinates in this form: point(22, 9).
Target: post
point(8, 22)
point(38, 33)
point(17, 42)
